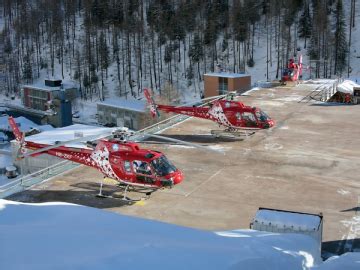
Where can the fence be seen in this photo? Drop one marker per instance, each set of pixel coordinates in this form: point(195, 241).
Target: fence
point(29, 180)
point(330, 90)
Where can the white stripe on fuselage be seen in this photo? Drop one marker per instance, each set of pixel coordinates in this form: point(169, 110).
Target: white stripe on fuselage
point(217, 113)
point(101, 158)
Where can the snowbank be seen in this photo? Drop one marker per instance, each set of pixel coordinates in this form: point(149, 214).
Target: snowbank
point(65, 236)
point(348, 261)
point(347, 87)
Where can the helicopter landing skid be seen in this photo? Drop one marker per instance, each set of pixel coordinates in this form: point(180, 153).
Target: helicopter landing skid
point(123, 197)
point(231, 133)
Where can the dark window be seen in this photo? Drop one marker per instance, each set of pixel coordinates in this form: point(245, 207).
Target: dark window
point(223, 85)
point(127, 166)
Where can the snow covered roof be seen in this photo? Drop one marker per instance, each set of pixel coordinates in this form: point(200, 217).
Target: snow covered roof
point(68, 133)
point(42, 86)
point(60, 235)
point(347, 87)
point(127, 104)
point(227, 75)
point(25, 124)
point(306, 222)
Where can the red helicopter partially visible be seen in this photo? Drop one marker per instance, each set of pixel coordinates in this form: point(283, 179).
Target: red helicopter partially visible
point(116, 158)
point(233, 115)
point(293, 71)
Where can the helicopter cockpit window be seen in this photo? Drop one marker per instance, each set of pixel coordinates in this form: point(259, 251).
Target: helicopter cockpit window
point(127, 166)
point(249, 116)
point(141, 167)
point(227, 104)
point(163, 166)
point(261, 116)
point(249, 119)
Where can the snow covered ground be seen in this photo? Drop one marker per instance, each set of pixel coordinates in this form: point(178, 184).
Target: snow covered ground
point(24, 124)
point(67, 236)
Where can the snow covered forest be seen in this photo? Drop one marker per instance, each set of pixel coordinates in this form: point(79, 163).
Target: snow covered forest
point(115, 48)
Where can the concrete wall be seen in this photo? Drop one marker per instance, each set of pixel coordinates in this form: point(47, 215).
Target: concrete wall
point(211, 86)
point(240, 84)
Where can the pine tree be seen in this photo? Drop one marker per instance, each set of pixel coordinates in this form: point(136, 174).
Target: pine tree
point(27, 68)
point(104, 53)
point(305, 26)
point(196, 52)
point(340, 39)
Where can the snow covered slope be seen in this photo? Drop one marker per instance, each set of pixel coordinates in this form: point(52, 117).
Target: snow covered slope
point(66, 236)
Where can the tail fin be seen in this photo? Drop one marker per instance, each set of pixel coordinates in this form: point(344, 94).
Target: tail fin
point(300, 65)
point(18, 135)
point(153, 107)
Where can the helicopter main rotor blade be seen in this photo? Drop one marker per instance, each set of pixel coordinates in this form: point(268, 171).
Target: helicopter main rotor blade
point(208, 100)
point(183, 142)
point(81, 139)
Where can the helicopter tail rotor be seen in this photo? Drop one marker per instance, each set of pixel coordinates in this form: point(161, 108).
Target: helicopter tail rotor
point(19, 136)
point(153, 107)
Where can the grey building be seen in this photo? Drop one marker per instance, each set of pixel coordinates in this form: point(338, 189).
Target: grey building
point(37, 96)
point(52, 96)
point(123, 112)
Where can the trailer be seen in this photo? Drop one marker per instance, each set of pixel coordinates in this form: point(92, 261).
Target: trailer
point(283, 221)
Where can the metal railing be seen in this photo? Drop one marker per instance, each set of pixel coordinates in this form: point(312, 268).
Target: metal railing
point(331, 90)
point(323, 92)
point(29, 180)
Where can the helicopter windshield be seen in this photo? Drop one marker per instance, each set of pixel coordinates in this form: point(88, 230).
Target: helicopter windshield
point(262, 116)
point(163, 166)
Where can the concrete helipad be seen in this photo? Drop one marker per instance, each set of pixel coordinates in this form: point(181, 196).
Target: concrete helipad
point(309, 162)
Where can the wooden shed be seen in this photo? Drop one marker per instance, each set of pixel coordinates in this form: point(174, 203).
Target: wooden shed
point(220, 83)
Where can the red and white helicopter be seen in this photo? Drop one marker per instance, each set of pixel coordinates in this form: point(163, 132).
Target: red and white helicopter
point(233, 115)
point(293, 71)
point(115, 157)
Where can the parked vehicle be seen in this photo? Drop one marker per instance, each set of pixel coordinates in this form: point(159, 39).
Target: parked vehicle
point(11, 171)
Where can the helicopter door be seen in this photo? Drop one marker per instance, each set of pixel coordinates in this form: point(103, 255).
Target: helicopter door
point(127, 170)
point(143, 172)
point(249, 118)
point(259, 116)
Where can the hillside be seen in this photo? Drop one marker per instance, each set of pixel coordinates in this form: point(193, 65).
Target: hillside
point(116, 48)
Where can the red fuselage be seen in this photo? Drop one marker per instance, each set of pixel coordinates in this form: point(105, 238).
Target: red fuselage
point(120, 161)
point(231, 114)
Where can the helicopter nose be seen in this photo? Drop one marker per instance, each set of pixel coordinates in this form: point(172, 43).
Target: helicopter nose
point(178, 177)
point(271, 123)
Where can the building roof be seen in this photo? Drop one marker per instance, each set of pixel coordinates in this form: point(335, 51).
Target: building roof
point(227, 74)
point(126, 104)
point(42, 86)
point(305, 221)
